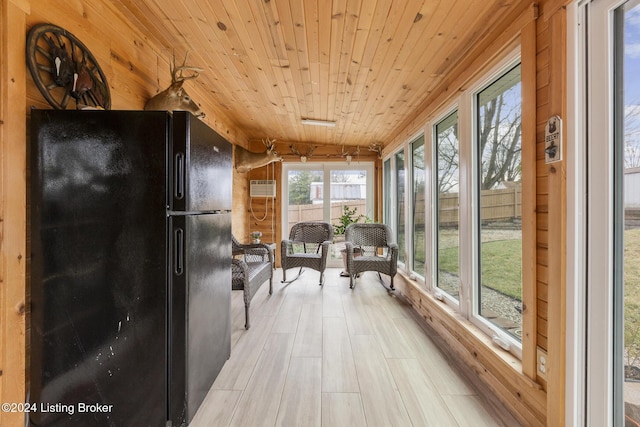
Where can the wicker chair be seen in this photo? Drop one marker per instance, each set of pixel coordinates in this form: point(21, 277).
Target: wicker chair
point(377, 252)
point(307, 246)
point(251, 271)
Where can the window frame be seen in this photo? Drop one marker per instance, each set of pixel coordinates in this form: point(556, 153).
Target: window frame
point(434, 211)
point(410, 221)
point(471, 216)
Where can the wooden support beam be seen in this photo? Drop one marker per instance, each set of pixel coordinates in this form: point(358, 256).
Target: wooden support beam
point(557, 227)
point(529, 226)
point(13, 252)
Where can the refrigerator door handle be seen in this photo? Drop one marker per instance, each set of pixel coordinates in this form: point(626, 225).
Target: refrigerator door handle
point(179, 176)
point(178, 265)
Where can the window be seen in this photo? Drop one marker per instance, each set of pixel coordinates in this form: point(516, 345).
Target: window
point(309, 199)
point(498, 109)
point(612, 247)
point(386, 172)
point(400, 210)
point(419, 205)
point(447, 184)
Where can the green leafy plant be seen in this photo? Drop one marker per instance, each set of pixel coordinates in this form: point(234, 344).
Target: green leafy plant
point(349, 216)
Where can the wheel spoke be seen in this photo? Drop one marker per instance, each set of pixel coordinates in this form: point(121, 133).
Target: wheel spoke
point(44, 52)
point(49, 69)
point(65, 99)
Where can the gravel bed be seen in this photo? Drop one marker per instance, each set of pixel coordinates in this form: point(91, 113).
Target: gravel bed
point(505, 306)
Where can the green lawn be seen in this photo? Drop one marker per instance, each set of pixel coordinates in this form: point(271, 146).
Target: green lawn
point(632, 266)
point(501, 265)
point(632, 296)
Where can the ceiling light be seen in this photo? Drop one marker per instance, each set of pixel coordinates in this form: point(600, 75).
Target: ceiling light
point(318, 123)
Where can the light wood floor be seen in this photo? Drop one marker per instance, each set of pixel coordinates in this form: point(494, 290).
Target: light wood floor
point(332, 356)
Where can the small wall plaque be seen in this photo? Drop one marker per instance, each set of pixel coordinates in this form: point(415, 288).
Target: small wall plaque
point(553, 140)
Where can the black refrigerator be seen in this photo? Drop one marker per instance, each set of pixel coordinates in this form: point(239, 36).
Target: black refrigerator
point(130, 268)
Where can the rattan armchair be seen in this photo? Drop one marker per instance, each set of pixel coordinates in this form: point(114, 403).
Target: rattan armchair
point(250, 271)
point(377, 251)
point(307, 246)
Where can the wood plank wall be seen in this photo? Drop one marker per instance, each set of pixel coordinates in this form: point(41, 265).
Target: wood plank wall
point(13, 253)
point(136, 67)
point(556, 16)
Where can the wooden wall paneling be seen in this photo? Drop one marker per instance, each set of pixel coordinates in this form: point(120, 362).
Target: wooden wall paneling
point(261, 213)
point(543, 274)
point(557, 228)
point(13, 250)
point(542, 330)
point(239, 220)
point(542, 187)
point(542, 256)
point(529, 241)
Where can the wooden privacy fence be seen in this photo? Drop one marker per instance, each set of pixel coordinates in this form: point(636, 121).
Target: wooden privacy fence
point(496, 205)
point(298, 213)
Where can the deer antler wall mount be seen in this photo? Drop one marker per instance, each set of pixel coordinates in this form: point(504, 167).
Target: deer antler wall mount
point(246, 160)
point(306, 155)
point(175, 98)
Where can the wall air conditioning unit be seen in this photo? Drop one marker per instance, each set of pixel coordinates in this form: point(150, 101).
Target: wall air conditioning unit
point(262, 188)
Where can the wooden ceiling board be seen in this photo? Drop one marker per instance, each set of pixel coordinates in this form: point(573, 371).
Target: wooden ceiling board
point(440, 41)
point(365, 64)
point(234, 28)
point(427, 42)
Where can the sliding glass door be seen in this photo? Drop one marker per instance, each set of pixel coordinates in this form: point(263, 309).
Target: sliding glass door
point(327, 192)
point(613, 179)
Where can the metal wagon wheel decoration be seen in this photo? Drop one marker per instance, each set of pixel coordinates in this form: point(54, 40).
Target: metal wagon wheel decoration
point(64, 69)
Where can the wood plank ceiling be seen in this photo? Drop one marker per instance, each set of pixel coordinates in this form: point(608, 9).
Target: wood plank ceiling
point(367, 65)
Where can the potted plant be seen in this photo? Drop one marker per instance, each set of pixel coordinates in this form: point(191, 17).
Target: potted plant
point(256, 235)
point(349, 216)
